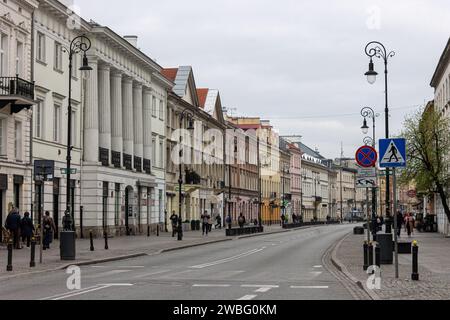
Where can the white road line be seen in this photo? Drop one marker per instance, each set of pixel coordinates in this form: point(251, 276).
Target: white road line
point(150, 274)
point(221, 261)
point(248, 297)
point(316, 273)
point(262, 290)
point(309, 287)
point(258, 286)
point(317, 267)
point(211, 285)
point(86, 290)
point(105, 274)
point(74, 291)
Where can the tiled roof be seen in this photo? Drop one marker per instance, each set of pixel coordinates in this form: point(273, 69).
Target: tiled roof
point(202, 94)
point(170, 73)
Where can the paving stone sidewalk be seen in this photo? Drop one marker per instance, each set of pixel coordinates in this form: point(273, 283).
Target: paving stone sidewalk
point(434, 269)
point(119, 248)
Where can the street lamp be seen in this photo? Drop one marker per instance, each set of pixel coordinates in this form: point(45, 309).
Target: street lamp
point(190, 126)
point(285, 171)
point(378, 50)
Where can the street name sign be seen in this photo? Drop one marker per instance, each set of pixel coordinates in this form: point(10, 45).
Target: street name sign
point(367, 172)
point(72, 171)
point(366, 157)
point(392, 153)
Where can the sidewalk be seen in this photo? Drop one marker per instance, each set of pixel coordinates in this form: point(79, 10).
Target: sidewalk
point(434, 268)
point(119, 248)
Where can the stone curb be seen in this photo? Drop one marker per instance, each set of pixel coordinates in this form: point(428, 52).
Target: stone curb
point(343, 269)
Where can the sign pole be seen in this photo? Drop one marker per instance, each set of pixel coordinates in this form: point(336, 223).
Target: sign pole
point(368, 221)
point(395, 224)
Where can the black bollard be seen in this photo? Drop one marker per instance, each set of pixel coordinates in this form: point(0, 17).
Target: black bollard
point(9, 267)
point(415, 262)
point(180, 233)
point(378, 256)
point(148, 231)
point(366, 258)
point(92, 240)
point(157, 231)
point(106, 241)
point(370, 254)
point(33, 252)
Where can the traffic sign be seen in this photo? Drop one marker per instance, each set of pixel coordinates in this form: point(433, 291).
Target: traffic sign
point(366, 182)
point(393, 153)
point(367, 172)
point(366, 156)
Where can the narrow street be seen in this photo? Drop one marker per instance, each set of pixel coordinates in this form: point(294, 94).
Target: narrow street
point(281, 266)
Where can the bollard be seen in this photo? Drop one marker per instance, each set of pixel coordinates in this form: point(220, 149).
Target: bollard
point(180, 233)
point(378, 256)
point(92, 240)
point(106, 241)
point(33, 252)
point(370, 248)
point(148, 231)
point(157, 230)
point(366, 258)
point(415, 262)
point(9, 267)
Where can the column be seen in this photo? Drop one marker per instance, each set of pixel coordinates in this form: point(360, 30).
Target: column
point(138, 123)
point(104, 105)
point(91, 131)
point(127, 117)
point(116, 113)
point(147, 123)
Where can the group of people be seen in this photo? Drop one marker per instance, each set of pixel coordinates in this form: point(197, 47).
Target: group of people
point(407, 221)
point(205, 219)
point(22, 227)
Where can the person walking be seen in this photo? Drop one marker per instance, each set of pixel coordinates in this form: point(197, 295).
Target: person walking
point(399, 223)
point(218, 222)
point(209, 223)
point(173, 221)
point(205, 223)
point(49, 229)
point(229, 221)
point(12, 224)
point(409, 224)
point(241, 220)
point(26, 228)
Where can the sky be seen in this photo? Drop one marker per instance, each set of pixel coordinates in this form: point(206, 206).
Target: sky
point(298, 63)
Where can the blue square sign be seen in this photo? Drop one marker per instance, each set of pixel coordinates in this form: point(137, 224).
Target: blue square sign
point(392, 153)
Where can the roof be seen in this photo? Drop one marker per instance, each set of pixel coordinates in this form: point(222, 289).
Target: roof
point(307, 150)
point(443, 62)
point(211, 99)
point(248, 126)
point(170, 73)
point(202, 95)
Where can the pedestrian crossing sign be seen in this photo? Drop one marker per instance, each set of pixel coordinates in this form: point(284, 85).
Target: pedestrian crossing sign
point(392, 153)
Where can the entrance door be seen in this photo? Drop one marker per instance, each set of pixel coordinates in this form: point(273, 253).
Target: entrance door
point(56, 205)
point(128, 208)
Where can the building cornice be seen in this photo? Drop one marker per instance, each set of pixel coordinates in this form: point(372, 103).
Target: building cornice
point(443, 63)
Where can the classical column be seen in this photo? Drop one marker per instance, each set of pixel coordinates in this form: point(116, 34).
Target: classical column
point(137, 123)
point(127, 116)
point(91, 132)
point(104, 106)
point(116, 113)
point(147, 123)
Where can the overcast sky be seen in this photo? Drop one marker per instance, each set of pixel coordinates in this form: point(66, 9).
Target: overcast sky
point(300, 64)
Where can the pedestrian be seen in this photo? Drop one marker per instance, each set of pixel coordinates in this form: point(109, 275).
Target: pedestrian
point(173, 221)
point(12, 224)
point(399, 223)
point(218, 222)
point(409, 221)
point(282, 217)
point(26, 228)
point(229, 221)
point(205, 223)
point(241, 220)
point(209, 223)
point(49, 229)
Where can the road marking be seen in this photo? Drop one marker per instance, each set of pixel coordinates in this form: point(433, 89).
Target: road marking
point(85, 290)
point(221, 261)
point(211, 285)
point(316, 273)
point(258, 286)
point(309, 287)
point(262, 290)
point(108, 273)
point(150, 274)
point(318, 267)
point(248, 297)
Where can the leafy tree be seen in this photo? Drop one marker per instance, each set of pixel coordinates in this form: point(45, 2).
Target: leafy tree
point(428, 148)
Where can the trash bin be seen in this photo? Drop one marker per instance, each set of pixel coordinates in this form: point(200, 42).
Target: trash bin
point(67, 245)
point(386, 249)
point(193, 225)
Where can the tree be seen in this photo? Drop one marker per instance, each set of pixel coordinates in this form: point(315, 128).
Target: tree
point(428, 148)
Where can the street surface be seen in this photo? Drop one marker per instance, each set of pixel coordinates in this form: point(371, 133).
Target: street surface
point(279, 266)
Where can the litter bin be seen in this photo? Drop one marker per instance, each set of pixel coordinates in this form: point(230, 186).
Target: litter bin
point(386, 249)
point(67, 245)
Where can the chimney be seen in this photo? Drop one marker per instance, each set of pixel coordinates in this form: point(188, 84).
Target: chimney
point(132, 39)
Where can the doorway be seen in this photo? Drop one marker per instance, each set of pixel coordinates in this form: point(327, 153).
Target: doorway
point(128, 208)
point(56, 205)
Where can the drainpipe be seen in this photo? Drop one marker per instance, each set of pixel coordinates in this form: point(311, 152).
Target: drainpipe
point(31, 117)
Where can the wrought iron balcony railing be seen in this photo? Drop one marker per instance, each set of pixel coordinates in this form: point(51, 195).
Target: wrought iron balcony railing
point(15, 86)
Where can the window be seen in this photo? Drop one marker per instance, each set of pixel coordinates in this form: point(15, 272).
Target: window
point(18, 140)
point(154, 107)
point(58, 56)
point(19, 58)
point(4, 55)
point(3, 124)
point(57, 123)
point(38, 111)
point(161, 110)
point(153, 151)
point(161, 154)
point(41, 47)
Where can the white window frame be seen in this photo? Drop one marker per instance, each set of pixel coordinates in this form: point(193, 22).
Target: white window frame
point(57, 122)
point(41, 47)
point(38, 117)
point(58, 56)
point(3, 136)
point(19, 57)
point(153, 106)
point(154, 151)
point(161, 153)
point(4, 54)
point(161, 109)
point(18, 140)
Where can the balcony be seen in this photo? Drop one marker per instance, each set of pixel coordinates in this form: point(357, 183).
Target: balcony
point(16, 92)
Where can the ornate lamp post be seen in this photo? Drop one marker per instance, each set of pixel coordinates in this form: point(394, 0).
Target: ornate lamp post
point(378, 50)
point(190, 126)
point(80, 44)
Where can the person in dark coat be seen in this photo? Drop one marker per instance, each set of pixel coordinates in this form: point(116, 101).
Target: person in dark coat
point(399, 223)
point(49, 229)
point(12, 224)
point(26, 228)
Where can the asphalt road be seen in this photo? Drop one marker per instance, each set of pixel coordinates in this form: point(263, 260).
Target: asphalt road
point(284, 266)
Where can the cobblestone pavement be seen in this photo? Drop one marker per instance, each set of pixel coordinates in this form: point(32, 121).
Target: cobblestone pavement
point(118, 247)
point(434, 269)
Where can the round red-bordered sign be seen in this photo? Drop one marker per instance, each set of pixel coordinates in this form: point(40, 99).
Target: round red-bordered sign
point(366, 157)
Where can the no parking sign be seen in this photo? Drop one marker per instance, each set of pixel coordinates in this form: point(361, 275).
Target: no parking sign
point(366, 156)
